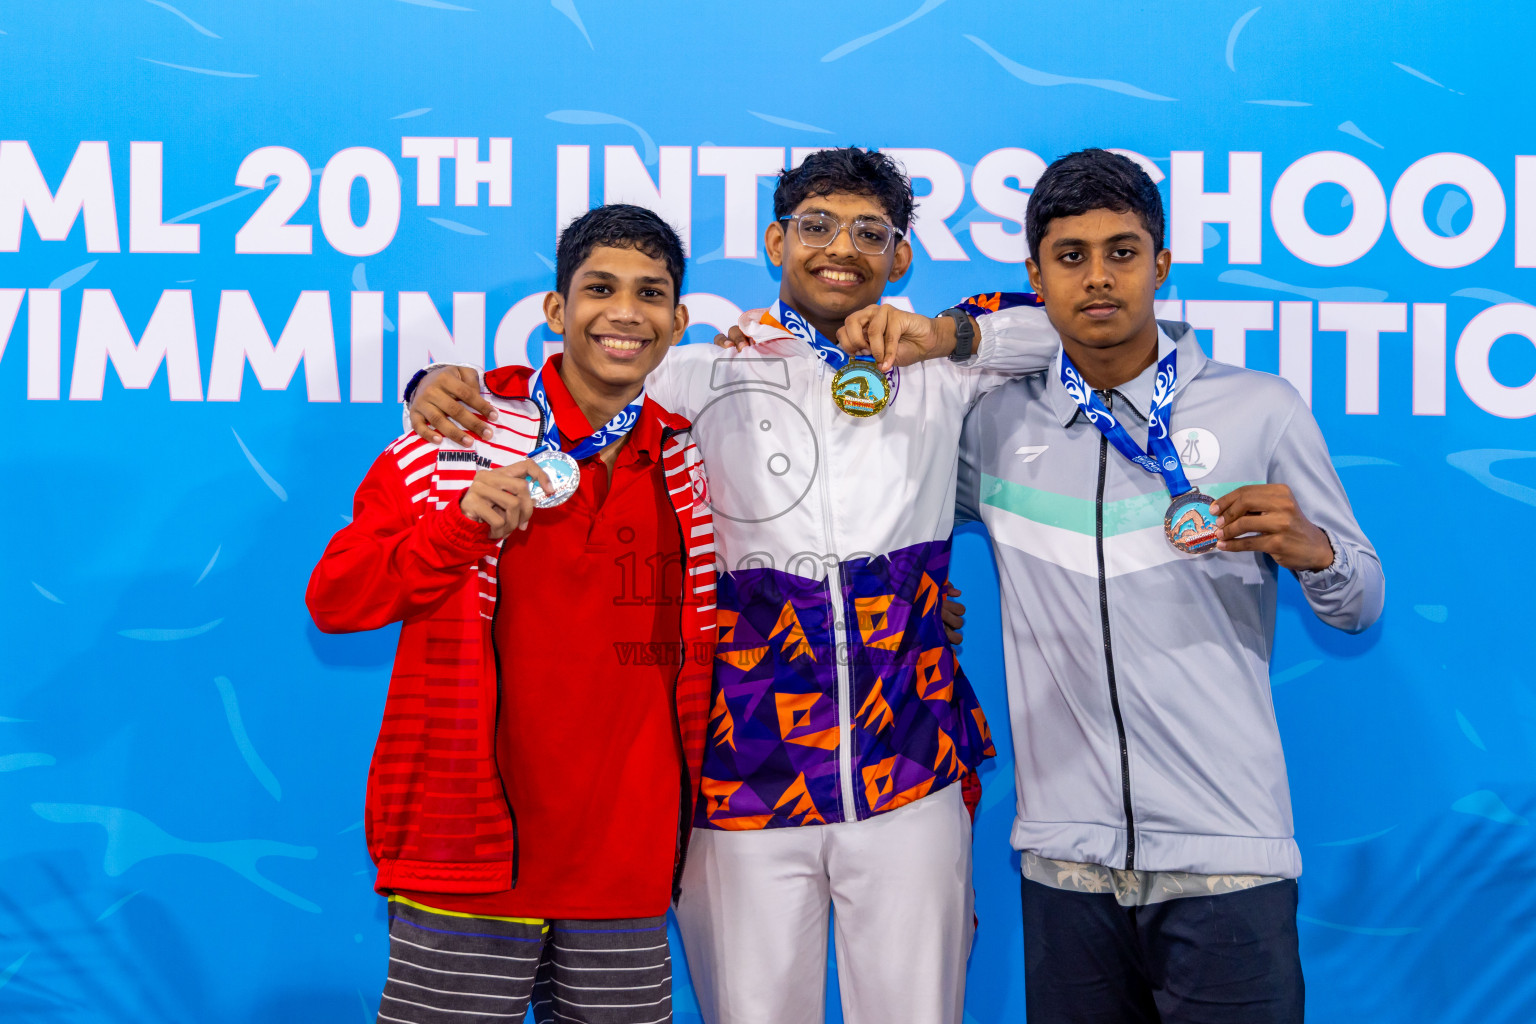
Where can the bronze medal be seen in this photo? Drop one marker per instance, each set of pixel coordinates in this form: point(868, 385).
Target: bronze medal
point(1190, 523)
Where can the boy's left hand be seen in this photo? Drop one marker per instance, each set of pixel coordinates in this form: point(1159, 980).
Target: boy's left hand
point(954, 614)
point(1265, 517)
point(448, 404)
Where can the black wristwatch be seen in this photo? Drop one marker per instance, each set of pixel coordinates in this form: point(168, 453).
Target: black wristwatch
point(965, 334)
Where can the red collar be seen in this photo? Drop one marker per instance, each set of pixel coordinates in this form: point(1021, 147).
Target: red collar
point(512, 382)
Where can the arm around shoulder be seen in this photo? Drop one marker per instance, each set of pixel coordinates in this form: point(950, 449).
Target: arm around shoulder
point(1015, 339)
point(444, 400)
point(400, 555)
point(671, 383)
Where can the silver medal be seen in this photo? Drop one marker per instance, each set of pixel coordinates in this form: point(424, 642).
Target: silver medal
point(564, 475)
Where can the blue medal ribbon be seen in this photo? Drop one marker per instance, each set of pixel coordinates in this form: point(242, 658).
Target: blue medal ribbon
point(825, 350)
point(609, 433)
point(835, 358)
point(1160, 456)
point(801, 328)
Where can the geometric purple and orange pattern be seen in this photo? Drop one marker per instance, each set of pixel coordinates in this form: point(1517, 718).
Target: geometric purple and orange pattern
point(772, 754)
point(994, 302)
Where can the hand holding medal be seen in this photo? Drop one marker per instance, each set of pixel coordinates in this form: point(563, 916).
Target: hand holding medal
point(1265, 517)
point(894, 337)
point(859, 387)
point(562, 475)
point(502, 498)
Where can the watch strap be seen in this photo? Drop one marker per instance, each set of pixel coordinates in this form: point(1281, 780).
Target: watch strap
point(965, 335)
point(417, 377)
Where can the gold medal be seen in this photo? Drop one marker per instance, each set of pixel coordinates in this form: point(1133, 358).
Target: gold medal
point(859, 389)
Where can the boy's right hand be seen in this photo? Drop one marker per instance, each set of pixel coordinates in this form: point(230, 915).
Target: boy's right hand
point(446, 404)
point(894, 337)
point(737, 340)
point(499, 497)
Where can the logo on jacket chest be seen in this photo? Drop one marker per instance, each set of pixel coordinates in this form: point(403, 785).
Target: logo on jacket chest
point(1030, 452)
point(699, 484)
point(761, 453)
point(1199, 450)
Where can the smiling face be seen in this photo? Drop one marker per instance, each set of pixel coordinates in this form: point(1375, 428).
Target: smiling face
point(619, 316)
point(1097, 274)
point(825, 285)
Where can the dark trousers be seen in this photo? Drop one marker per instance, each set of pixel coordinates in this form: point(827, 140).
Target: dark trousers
point(1225, 959)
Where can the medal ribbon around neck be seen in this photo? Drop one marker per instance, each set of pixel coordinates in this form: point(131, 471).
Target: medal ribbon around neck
point(1160, 456)
point(609, 433)
point(858, 387)
point(1190, 522)
point(797, 325)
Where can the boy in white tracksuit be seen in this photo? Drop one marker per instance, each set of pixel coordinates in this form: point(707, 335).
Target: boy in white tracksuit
point(840, 721)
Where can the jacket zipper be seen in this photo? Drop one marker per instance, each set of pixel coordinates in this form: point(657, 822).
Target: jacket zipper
point(685, 783)
point(841, 647)
point(517, 847)
point(1109, 654)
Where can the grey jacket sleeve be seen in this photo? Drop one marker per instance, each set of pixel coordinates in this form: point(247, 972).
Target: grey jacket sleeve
point(1015, 341)
point(1350, 593)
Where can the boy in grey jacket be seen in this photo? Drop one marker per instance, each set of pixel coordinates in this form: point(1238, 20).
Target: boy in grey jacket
point(1142, 499)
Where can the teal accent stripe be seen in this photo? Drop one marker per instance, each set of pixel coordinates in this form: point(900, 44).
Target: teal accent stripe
point(1077, 514)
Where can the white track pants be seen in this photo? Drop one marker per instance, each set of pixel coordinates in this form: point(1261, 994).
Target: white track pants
point(754, 905)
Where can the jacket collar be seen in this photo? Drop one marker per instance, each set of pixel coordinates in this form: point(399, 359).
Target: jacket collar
point(771, 336)
point(645, 436)
point(1137, 392)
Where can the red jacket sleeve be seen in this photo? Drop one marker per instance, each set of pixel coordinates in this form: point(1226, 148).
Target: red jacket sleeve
point(393, 561)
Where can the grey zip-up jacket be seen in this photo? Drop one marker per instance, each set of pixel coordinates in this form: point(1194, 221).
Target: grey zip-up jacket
point(1138, 676)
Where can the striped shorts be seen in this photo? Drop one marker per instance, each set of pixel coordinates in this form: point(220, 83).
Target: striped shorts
point(453, 969)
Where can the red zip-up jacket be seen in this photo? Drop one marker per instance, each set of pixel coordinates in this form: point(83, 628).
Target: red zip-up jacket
point(437, 817)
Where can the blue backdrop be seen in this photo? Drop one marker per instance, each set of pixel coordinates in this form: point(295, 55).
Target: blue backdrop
point(182, 755)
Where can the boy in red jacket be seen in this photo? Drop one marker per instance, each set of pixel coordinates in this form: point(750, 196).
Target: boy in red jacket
point(539, 756)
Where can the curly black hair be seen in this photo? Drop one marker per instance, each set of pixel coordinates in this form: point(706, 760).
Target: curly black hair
point(850, 169)
point(620, 226)
point(1093, 179)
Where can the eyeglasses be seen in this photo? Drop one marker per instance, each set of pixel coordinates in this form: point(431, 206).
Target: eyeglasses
point(819, 230)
